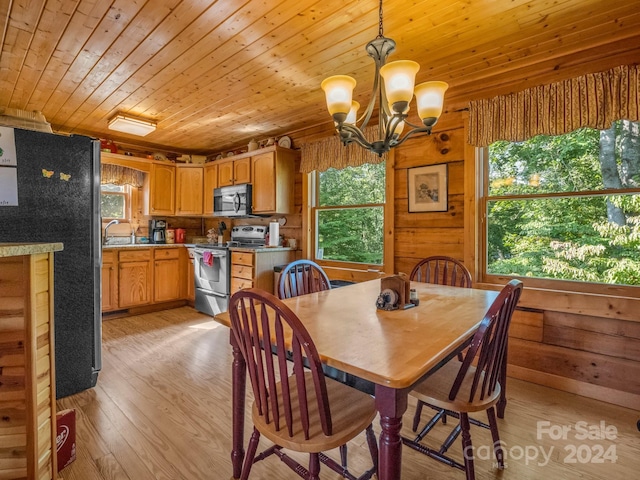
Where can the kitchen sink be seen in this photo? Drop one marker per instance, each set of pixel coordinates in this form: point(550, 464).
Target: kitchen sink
point(118, 241)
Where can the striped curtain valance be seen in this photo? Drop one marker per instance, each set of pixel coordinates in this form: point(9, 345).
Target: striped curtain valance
point(119, 175)
point(330, 153)
point(594, 100)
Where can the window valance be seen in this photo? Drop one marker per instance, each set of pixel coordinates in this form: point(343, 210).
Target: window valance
point(119, 175)
point(330, 153)
point(594, 100)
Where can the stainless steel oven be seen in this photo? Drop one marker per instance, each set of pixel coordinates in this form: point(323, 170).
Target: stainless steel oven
point(212, 278)
point(212, 268)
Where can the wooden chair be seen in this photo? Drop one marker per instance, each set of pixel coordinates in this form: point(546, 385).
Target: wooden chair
point(461, 388)
point(439, 270)
point(302, 277)
point(301, 411)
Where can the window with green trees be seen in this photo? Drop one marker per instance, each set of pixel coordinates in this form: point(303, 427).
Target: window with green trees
point(566, 207)
point(113, 201)
point(349, 214)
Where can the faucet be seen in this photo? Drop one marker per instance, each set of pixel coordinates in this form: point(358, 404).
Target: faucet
point(106, 227)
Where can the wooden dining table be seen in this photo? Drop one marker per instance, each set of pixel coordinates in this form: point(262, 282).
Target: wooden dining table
point(391, 349)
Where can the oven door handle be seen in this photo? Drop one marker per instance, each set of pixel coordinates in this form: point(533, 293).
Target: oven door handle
point(215, 254)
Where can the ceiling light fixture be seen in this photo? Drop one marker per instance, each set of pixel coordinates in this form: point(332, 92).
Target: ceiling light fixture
point(392, 93)
point(132, 125)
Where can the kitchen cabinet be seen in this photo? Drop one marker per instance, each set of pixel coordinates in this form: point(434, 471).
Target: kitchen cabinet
point(134, 278)
point(273, 181)
point(109, 281)
point(234, 171)
point(166, 274)
point(191, 282)
point(27, 362)
point(160, 190)
point(210, 183)
point(189, 189)
point(255, 268)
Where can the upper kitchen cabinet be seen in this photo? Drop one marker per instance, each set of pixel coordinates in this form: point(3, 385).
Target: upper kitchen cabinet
point(210, 182)
point(234, 171)
point(160, 190)
point(189, 189)
point(273, 181)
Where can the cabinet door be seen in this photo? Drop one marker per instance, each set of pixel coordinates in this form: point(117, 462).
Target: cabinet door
point(109, 287)
point(225, 173)
point(166, 280)
point(162, 187)
point(210, 182)
point(134, 283)
point(264, 183)
point(189, 185)
point(191, 287)
point(242, 171)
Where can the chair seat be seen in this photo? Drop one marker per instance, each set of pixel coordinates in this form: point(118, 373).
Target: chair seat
point(351, 412)
point(435, 390)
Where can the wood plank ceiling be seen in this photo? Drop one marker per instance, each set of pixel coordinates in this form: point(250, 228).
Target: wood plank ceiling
point(215, 74)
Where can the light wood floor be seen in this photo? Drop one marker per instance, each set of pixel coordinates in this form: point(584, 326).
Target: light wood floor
point(161, 410)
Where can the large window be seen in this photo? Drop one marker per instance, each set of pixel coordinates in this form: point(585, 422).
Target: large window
point(349, 214)
point(565, 207)
point(114, 201)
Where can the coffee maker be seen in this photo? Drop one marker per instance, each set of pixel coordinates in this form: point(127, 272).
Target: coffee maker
point(157, 231)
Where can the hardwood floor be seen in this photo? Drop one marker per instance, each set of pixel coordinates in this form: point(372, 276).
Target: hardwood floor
point(162, 410)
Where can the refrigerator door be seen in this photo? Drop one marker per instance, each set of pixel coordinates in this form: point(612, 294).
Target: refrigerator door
point(59, 201)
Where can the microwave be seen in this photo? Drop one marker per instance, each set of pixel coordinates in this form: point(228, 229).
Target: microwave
point(232, 201)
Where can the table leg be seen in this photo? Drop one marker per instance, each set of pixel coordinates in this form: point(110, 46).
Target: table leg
point(391, 404)
point(239, 381)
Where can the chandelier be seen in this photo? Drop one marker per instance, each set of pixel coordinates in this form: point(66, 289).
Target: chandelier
point(392, 92)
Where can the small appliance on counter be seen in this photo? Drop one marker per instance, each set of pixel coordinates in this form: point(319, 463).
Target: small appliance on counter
point(180, 235)
point(157, 231)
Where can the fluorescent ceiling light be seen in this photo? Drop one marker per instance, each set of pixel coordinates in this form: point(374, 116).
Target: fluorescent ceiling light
point(134, 126)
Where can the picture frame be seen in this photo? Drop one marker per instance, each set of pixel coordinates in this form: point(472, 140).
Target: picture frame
point(428, 188)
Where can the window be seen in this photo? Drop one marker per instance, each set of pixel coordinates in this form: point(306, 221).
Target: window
point(114, 201)
point(565, 207)
point(349, 214)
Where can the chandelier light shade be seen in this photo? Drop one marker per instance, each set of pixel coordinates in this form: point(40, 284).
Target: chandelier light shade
point(393, 90)
point(132, 125)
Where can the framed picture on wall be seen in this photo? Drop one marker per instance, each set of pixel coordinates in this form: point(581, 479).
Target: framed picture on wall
point(427, 188)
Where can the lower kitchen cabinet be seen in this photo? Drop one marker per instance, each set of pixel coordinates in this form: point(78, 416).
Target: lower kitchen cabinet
point(255, 268)
point(191, 282)
point(109, 281)
point(166, 274)
point(137, 277)
point(134, 278)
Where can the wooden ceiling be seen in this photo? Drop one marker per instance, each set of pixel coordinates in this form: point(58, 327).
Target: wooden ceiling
point(215, 74)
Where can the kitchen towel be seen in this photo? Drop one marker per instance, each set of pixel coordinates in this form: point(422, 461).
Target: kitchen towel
point(274, 234)
point(207, 258)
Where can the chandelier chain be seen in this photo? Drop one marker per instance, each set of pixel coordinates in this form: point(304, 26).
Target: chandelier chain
point(380, 29)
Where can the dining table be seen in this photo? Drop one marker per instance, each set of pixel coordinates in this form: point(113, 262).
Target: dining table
point(392, 349)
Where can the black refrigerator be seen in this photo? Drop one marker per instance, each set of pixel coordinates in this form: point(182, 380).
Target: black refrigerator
point(58, 181)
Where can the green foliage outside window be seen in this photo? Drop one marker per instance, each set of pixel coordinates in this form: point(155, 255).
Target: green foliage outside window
point(354, 233)
point(592, 233)
point(112, 201)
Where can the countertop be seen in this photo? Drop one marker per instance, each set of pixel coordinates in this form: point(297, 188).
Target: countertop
point(172, 245)
point(18, 249)
point(145, 245)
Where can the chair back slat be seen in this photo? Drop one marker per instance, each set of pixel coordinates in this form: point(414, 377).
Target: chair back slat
point(488, 346)
point(441, 270)
point(264, 328)
point(302, 277)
